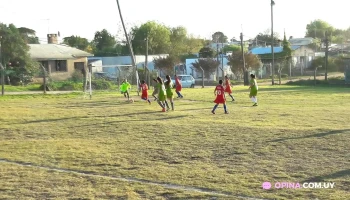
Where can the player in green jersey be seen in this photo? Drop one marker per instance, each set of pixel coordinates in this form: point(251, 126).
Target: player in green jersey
point(169, 93)
point(161, 93)
point(253, 90)
point(124, 88)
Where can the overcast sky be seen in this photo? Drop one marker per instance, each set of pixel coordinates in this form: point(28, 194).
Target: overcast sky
point(201, 18)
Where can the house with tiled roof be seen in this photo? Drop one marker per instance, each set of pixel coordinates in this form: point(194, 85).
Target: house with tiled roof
point(59, 60)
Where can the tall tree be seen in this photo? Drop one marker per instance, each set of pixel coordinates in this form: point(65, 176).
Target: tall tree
point(158, 38)
point(193, 44)
point(219, 37)
point(206, 52)
point(29, 35)
point(266, 39)
point(209, 66)
point(231, 48)
point(104, 44)
point(317, 28)
point(165, 65)
point(286, 57)
point(77, 42)
point(236, 63)
point(178, 38)
point(15, 54)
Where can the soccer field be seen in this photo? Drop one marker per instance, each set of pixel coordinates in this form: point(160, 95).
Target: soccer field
point(68, 147)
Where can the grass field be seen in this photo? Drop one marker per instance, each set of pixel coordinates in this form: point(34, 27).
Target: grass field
point(296, 134)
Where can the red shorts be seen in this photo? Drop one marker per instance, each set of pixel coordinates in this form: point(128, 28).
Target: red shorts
point(219, 100)
point(144, 96)
point(178, 88)
point(228, 90)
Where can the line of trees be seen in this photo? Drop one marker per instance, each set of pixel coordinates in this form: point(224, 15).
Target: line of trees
point(161, 39)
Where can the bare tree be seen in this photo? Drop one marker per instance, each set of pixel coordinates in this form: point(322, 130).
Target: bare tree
point(165, 65)
point(236, 63)
point(209, 65)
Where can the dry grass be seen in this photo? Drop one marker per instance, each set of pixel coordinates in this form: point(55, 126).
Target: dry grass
point(296, 134)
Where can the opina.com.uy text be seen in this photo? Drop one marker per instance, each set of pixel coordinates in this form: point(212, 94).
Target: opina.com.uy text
point(290, 185)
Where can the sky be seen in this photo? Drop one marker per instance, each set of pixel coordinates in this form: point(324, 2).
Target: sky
point(201, 18)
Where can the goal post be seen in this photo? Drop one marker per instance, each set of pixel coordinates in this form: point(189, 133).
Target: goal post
point(127, 72)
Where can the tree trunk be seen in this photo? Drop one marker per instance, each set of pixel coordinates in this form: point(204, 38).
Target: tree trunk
point(279, 76)
point(8, 80)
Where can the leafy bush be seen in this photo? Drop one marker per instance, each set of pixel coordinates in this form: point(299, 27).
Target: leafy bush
point(62, 85)
point(77, 76)
point(98, 84)
point(68, 86)
point(284, 75)
point(101, 84)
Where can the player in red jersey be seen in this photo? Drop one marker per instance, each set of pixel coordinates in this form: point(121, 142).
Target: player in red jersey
point(144, 88)
point(220, 97)
point(178, 87)
point(228, 87)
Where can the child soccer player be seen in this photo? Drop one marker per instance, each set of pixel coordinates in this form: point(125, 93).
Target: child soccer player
point(162, 93)
point(228, 87)
point(253, 90)
point(220, 97)
point(144, 88)
point(178, 87)
point(124, 88)
point(156, 90)
point(169, 94)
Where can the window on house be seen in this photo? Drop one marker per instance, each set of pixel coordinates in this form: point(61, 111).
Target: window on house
point(61, 65)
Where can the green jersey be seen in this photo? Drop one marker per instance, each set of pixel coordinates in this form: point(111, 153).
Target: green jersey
point(168, 88)
point(254, 84)
point(162, 92)
point(125, 86)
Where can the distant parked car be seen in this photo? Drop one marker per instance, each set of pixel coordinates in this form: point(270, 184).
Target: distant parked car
point(187, 81)
point(105, 76)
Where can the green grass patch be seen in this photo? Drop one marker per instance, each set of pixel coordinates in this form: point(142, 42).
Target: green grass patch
point(30, 87)
point(296, 134)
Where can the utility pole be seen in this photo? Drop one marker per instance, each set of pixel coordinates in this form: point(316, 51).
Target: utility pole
point(217, 59)
point(146, 64)
point(245, 76)
point(2, 70)
point(130, 49)
point(222, 59)
point(272, 44)
point(326, 55)
point(315, 40)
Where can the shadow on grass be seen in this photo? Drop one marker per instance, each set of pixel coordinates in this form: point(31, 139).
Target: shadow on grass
point(195, 109)
point(324, 134)
point(89, 117)
point(335, 175)
point(128, 121)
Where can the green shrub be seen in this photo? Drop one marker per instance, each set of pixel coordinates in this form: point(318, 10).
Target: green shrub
point(284, 75)
point(71, 85)
point(63, 86)
point(77, 76)
point(77, 86)
point(101, 85)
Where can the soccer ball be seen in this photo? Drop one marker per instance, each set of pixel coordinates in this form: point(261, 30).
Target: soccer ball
point(131, 100)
